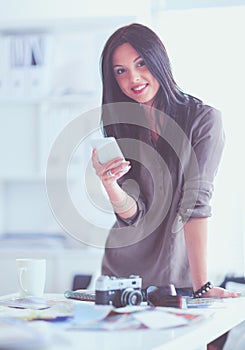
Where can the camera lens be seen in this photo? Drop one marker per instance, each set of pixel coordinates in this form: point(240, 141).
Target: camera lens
point(131, 297)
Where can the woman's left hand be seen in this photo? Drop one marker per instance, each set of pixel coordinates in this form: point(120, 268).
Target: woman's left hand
point(218, 292)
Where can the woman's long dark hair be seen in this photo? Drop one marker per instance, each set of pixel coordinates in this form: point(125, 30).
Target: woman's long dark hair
point(151, 49)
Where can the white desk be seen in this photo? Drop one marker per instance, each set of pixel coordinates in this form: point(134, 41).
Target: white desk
point(194, 337)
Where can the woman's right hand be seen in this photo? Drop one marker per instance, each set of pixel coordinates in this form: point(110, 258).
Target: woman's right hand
point(111, 171)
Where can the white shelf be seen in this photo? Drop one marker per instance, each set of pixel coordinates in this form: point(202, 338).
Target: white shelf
point(21, 101)
point(36, 178)
point(30, 178)
point(62, 25)
point(65, 99)
point(70, 98)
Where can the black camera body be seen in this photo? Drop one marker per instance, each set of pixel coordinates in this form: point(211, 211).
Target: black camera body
point(118, 291)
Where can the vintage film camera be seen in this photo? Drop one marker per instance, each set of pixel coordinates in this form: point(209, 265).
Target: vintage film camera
point(119, 292)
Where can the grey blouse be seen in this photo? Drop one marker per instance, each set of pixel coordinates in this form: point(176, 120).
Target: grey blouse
point(172, 181)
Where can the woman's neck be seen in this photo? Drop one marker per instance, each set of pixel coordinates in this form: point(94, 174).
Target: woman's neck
point(154, 119)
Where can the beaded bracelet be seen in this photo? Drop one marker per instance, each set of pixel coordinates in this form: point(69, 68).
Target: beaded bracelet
point(205, 288)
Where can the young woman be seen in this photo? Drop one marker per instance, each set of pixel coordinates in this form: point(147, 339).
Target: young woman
point(173, 144)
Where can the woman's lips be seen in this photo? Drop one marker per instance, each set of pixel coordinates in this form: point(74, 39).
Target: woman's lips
point(138, 89)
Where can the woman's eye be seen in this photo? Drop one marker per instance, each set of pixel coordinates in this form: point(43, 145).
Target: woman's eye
point(119, 71)
point(141, 63)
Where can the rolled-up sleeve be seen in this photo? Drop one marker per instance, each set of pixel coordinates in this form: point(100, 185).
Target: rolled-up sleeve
point(134, 190)
point(133, 220)
point(207, 143)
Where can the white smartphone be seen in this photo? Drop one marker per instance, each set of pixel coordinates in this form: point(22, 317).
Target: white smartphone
point(107, 149)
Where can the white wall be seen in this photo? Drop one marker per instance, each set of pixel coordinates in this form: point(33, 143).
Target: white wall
point(28, 126)
point(78, 30)
point(13, 10)
point(205, 50)
point(207, 54)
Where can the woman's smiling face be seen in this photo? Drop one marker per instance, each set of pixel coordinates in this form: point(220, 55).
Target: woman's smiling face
point(133, 77)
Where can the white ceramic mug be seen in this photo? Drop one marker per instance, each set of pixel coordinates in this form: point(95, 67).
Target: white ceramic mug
point(31, 276)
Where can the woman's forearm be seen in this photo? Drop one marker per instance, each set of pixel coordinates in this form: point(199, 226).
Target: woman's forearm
point(123, 204)
point(196, 234)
